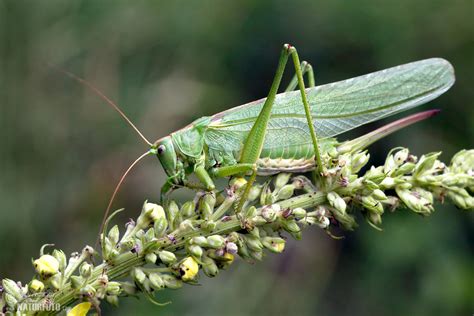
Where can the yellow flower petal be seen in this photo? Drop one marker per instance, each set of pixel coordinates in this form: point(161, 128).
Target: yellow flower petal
point(80, 309)
point(189, 269)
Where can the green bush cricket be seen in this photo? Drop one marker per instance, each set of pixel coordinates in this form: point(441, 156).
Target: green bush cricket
point(288, 132)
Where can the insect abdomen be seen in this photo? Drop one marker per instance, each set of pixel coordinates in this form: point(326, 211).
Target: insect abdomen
point(270, 166)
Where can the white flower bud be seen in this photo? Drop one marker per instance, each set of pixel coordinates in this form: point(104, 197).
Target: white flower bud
point(156, 281)
point(281, 180)
point(167, 257)
point(359, 160)
point(200, 241)
point(379, 195)
point(215, 241)
point(195, 251)
point(372, 204)
point(12, 288)
point(286, 192)
point(299, 213)
point(336, 201)
point(254, 192)
point(114, 235)
point(61, 257)
point(138, 275)
point(151, 258)
point(85, 270)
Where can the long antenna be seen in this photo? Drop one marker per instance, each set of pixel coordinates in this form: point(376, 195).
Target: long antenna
point(103, 97)
point(107, 211)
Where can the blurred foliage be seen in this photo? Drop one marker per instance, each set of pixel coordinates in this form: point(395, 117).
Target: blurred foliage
point(169, 62)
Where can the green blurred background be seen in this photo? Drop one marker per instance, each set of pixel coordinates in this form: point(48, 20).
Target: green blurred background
point(169, 62)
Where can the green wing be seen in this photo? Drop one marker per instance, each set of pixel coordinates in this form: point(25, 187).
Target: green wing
point(335, 107)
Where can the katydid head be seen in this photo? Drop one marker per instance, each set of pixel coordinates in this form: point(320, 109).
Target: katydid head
point(166, 153)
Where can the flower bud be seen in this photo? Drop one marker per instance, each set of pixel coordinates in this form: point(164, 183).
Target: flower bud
point(209, 225)
point(269, 212)
point(61, 258)
point(253, 243)
point(195, 251)
point(172, 282)
point(389, 165)
point(36, 285)
point(461, 198)
point(10, 300)
point(285, 192)
point(372, 204)
point(85, 270)
point(209, 267)
point(138, 275)
point(379, 195)
point(254, 192)
point(167, 257)
point(215, 241)
point(200, 241)
point(188, 209)
point(231, 248)
point(346, 220)
point(12, 288)
point(206, 205)
point(266, 196)
point(251, 212)
point(55, 281)
point(114, 235)
point(406, 168)
point(388, 183)
point(127, 245)
point(336, 201)
point(374, 218)
point(274, 244)
point(76, 281)
point(426, 163)
point(375, 174)
point(359, 160)
point(172, 211)
point(188, 269)
point(149, 235)
point(156, 281)
point(414, 201)
point(298, 213)
point(370, 185)
point(46, 266)
point(291, 226)
point(113, 288)
point(151, 258)
point(281, 180)
point(243, 251)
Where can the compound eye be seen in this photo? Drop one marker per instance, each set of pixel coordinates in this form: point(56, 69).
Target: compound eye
point(161, 149)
